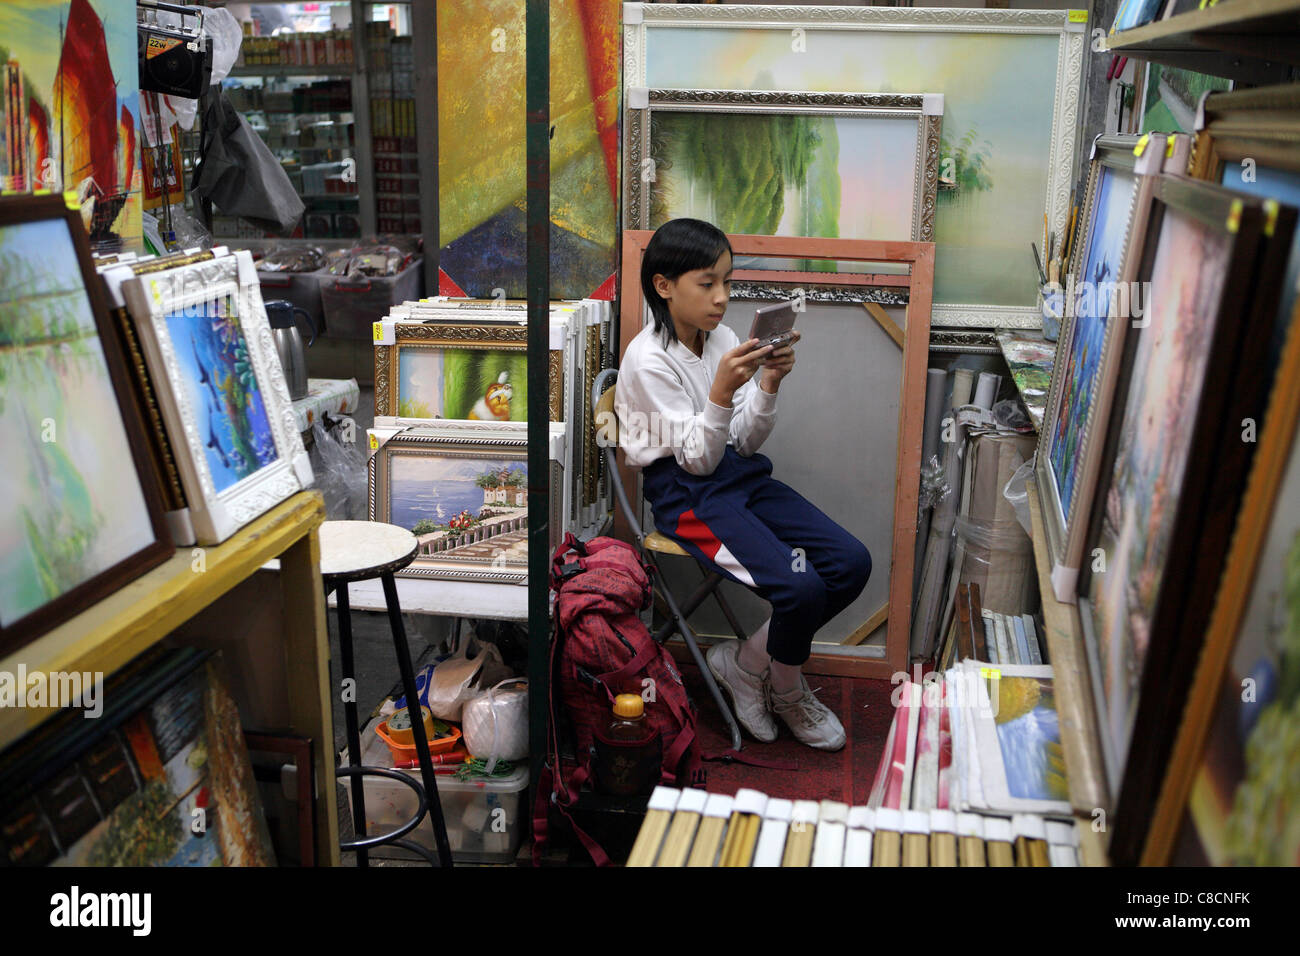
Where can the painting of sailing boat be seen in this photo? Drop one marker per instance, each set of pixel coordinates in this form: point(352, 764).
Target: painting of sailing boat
point(70, 110)
point(76, 512)
point(223, 392)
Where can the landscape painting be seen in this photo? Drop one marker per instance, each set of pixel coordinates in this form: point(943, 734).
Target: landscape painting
point(74, 505)
point(1029, 739)
point(1099, 272)
point(458, 383)
point(999, 114)
point(786, 174)
point(461, 508)
point(217, 375)
point(1139, 498)
point(70, 111)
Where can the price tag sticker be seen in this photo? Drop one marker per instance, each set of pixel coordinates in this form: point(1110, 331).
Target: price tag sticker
point(1078, 16)
point(155, 292)
point(990, 673)
point(1234, 217)
point(1169, 147)
point(40, 192)
point(378, 329)
point(1141, 146)
point(384, 332)
point(374, 441)
point(1271, 210)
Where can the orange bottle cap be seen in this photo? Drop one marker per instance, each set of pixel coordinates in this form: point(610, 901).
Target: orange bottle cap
point(628, 705)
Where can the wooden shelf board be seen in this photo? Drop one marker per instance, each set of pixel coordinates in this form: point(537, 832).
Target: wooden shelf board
point(1245, 39)
point(1074, 700)
point(130, 621)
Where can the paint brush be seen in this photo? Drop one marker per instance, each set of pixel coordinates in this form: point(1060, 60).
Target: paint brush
point(1038, 262)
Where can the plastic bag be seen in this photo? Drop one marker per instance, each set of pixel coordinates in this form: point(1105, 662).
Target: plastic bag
point(460, 678)
point(495, 723)
point(340, 470)
point(1017, 493)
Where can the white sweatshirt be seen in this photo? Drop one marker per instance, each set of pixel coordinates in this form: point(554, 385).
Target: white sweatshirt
point(663, 404)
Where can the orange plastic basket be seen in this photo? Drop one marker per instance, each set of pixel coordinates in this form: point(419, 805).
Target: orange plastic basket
point(407, 752)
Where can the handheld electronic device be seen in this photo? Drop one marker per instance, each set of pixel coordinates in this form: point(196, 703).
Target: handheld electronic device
point(773, 324)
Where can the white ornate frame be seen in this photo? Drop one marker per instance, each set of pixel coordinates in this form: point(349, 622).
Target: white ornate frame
point(925, 108)
point(150, 298)
point(462, 439)
point(1071, 29)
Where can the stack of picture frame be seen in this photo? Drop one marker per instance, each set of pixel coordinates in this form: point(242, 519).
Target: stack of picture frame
point(450, 396)
point(1150, 436)
point(149, 405)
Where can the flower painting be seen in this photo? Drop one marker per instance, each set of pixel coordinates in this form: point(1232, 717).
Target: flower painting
point(223, 392)
point(1142, 492)
point(74, 506)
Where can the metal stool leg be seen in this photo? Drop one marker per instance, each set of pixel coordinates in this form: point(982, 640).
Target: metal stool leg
point(354, 732)
point(417, 721)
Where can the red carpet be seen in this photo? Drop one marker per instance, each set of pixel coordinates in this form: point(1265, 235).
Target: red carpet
point(863, 707)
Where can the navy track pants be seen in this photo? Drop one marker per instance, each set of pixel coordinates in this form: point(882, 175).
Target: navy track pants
point(765, 535)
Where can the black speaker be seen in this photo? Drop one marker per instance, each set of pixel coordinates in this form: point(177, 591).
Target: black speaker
point(174, 63)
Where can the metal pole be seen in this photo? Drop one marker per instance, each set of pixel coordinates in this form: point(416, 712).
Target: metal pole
point(538, 103)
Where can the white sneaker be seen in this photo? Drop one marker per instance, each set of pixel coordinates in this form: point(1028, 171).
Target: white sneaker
point(748, 692)
point(808, 718)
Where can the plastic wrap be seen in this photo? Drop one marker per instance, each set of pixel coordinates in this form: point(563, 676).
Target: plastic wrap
point(340, 470)
point(495, 723)
point(1017, 492)
point(934, 484)
point(188, 232)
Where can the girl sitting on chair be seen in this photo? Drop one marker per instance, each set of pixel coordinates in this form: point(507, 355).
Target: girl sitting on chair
point(692, 416)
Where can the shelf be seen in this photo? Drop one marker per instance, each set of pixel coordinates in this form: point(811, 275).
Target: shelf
point(341, 70)
point(1074, 701)
point(1255, 40)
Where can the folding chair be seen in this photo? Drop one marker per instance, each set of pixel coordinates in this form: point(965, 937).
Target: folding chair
point(654, 544)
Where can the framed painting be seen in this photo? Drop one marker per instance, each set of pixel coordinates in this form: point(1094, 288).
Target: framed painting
point(888, 315)
point(1225, 800)
point(1173, 470)
point(1010, 80)
point(462, 489)
point(1101, 309)
point(83, 509)
point(853, 165)
point(221, 387)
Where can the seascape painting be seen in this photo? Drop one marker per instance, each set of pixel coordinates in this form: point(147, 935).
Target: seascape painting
point(70, 111)
point(1100, 268)
point(222, 391)
point(999, 105)
point(458, 383)
point(1140, 496)
point(462, 508)
point(1242, 809)
point(786, 174)
point(481, 145)
point(74, 507)
point(1029, 739)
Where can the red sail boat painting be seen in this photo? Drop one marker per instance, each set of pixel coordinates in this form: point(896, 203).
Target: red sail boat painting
point(80, 116)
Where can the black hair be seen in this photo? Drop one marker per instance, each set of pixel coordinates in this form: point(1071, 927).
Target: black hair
point(677, 247)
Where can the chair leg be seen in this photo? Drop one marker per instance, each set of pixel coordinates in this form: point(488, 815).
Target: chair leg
point(698, 596)
point(729, 614)
point(350, 716)
point(679, 623)
point(417, 721)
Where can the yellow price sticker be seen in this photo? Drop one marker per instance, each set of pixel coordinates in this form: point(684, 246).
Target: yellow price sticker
point(1169, 147)
point(1271, 210)
point(1234, 217)
point(377, 329)
point(40, 192)
point(1078, 16)
point(374, 442)
point(1141, 146)
point(991, 673)
point(70, 200)
point(157, 293)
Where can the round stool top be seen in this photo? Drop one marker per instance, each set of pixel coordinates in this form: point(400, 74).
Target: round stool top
point(357, 550)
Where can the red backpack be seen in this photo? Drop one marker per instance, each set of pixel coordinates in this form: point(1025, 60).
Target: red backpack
point(601, 648)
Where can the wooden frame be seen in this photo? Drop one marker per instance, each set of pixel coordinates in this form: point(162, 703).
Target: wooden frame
point(129, 566)
point(300, 749)
point(226, 283)
point(1066, 532)
point(1254, 124)
point(919, 257)
point(462, 440)
point(925, 108)
point(1206, 501)
point(643, 23)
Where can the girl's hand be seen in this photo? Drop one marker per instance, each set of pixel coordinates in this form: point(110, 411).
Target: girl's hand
point(778, 365)
point(735, 369)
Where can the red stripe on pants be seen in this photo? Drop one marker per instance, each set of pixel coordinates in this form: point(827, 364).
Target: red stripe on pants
point(697, 532)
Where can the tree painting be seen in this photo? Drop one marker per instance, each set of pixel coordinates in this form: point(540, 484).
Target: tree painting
point(969, 168)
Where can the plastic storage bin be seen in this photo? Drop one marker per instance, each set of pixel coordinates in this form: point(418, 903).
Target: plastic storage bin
point(353, 304)
point(486, 818)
